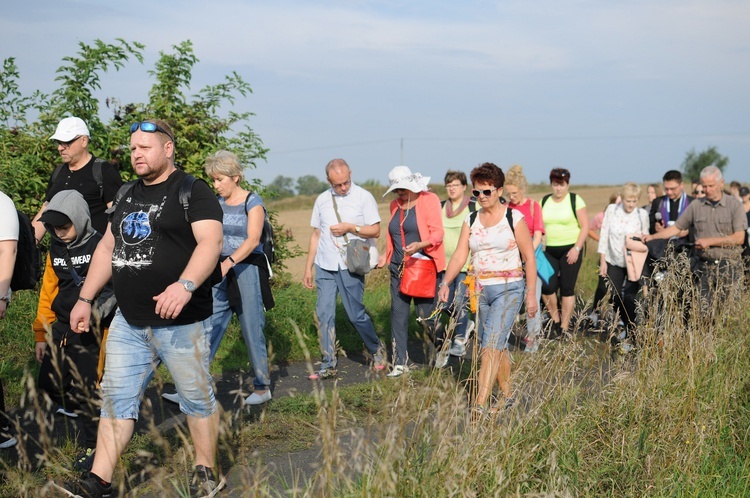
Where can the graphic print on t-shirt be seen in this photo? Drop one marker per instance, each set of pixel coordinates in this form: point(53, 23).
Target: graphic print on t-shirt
point(135, 246)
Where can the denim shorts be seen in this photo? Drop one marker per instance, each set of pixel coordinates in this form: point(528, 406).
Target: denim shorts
point(498, 306)
point(132, 355)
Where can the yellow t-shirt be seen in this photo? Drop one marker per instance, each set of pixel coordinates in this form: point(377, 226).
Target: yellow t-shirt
point(560, 221)
point(452, 232)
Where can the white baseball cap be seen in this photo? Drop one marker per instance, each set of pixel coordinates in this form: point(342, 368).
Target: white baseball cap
point(70, 128)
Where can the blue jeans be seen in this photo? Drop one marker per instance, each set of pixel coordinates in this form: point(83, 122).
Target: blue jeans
point(252, 318)
point(458, 307)
point(352, 290)
point(498, 307)
point(132, 355)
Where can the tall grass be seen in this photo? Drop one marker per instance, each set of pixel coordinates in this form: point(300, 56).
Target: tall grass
point(670, 419)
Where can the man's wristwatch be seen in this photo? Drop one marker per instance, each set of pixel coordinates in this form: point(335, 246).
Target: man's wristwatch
point(357, 228)
point(189, 285)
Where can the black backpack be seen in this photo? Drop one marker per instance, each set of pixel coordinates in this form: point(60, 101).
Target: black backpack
point(266, 236)
point(29, 267)
point(572, 202)
point(96, 171)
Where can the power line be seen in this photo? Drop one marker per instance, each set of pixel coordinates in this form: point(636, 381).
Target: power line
point(562, 138)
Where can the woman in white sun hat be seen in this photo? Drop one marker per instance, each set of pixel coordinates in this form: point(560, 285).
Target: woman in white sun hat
point(415, 213)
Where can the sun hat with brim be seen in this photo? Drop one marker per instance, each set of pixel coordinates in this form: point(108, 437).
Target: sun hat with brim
point(70, 128)
point(54, 218)
point(402, 177)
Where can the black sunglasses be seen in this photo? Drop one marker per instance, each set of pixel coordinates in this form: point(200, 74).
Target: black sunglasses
point(149, 127)
point(486, 192)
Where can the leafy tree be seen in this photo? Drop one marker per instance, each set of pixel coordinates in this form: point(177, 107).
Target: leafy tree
point(694, 163)
point(310, 185)
point(281, 186)
point(27, 156)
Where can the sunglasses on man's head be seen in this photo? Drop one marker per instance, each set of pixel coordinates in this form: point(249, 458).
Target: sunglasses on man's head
point(149, 127)
point(486, 192)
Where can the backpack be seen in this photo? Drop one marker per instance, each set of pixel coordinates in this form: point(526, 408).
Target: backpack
point(96, 171)
point(186, 190)
point(266, 236)
point(472, 205)
point(572, 202)
point(29, 266)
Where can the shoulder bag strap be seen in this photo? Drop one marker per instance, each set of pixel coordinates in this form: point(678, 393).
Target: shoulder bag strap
point(336, 210)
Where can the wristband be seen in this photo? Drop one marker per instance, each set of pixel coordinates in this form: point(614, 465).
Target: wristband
point(230, 258)
point(577, 248)
point(87, 301)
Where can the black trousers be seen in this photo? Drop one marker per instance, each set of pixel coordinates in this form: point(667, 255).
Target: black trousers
point(623, 294)
point(68, 375)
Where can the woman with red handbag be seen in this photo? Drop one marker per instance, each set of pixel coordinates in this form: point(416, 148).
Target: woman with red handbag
point(502, 257)
point(415, 257)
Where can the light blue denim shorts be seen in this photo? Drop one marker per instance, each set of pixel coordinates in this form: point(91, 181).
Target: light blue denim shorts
point(134, 353)
point(498, 306)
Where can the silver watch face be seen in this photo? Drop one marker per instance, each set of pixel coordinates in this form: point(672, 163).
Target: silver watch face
point(188, 284)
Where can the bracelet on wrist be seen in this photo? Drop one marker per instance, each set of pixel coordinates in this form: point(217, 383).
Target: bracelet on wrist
point(87, 301)
point(230, 258)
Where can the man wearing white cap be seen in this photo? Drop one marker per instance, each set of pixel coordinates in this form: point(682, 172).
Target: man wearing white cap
point(96, 180)
point(341, 214)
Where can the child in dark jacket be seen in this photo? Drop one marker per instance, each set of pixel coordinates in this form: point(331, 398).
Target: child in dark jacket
point(68, 371)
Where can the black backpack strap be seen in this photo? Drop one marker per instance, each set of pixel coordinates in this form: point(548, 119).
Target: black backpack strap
point(545, 199)
point(442, 203)
point(186, 191)
point(473, 218)
point(122, 192)
point(573, 198)
point(509, 217)
point(472, 206)
point(56, 173)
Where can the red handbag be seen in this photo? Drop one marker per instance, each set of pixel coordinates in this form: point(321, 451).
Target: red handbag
point(418, 277)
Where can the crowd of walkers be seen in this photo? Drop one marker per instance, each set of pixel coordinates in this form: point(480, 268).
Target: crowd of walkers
point(151, 272)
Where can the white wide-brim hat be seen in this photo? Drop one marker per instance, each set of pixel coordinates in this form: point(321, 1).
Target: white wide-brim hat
point(402, 177)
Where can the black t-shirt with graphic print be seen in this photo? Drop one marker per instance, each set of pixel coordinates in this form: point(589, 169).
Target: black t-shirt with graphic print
point(153, 244)
point(83, 181)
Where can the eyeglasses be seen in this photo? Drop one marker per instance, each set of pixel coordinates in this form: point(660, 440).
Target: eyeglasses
point(67, 144)
point(486, 192)
point(149, 127)
point(340, 185)
point(454, 185)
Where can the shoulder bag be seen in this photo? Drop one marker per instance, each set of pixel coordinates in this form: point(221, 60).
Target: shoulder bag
point(357, 250)
point(418, 275)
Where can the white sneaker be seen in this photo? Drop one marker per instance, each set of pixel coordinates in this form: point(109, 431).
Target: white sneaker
point(398, 371)
point(62, 411)
point(6, 439)
point(171, 397)
point(441, 359)
point(470, 326)
point(258, 399)
point(458, 348)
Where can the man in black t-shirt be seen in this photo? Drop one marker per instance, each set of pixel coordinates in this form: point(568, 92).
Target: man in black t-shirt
point(160, 257)
point(98, 184)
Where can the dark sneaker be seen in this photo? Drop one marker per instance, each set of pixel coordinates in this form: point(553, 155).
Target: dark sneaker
point(204, 484)
point(88, 487)
point(84, 461)
point(324, 373)
point(6, 438)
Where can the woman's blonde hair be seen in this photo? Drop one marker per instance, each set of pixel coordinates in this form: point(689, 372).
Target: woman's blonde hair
point(631, 189)
point(516, 177)
point(224, 163)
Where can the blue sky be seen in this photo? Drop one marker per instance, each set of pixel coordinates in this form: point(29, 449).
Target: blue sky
point(615, 91)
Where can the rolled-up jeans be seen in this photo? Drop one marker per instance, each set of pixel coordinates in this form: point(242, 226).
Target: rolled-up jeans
point(134, 352)
point(457, 308)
